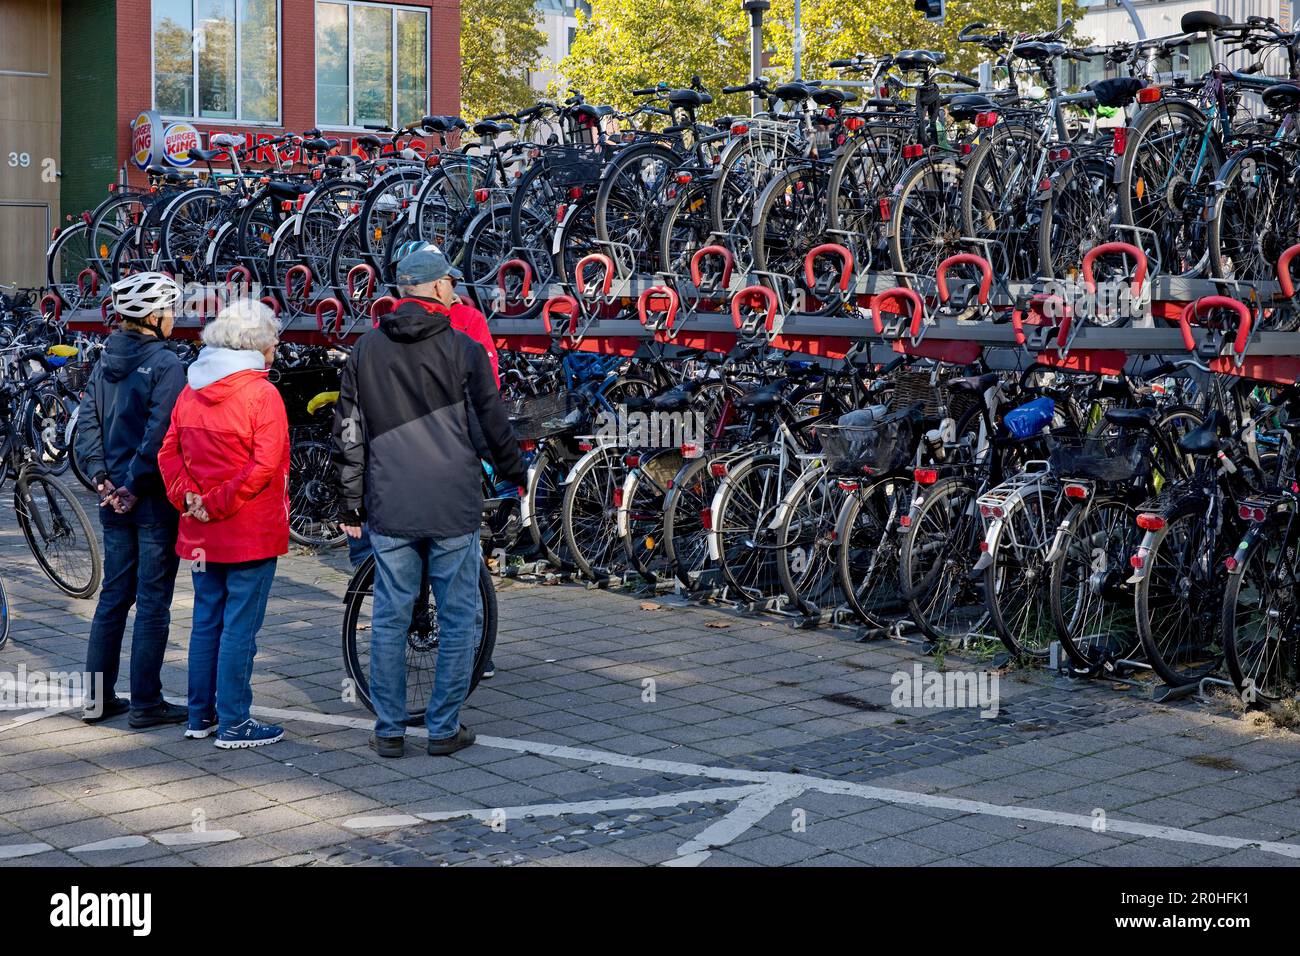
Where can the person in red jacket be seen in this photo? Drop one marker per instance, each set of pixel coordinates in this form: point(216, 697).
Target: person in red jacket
point(225, 463)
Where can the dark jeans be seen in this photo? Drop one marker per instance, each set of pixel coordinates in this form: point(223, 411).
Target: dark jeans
point(229, 605)
point(140, 565)
point(359, 548)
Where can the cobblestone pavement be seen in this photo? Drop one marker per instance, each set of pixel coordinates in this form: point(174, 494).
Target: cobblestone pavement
point(622, 730)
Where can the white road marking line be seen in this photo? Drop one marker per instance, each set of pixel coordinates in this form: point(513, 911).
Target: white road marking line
point(826, 785)
point(751, 809)
point(15, 850)
point(192, 837)
point(113, 843)
point(381, 823)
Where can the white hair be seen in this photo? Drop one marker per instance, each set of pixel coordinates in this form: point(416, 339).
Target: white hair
point(244, 324)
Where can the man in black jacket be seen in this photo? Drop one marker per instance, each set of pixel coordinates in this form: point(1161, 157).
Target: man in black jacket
point(120, 427)
point(416, 401)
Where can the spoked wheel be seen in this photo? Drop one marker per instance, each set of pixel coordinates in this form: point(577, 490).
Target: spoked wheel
point(4, 615)
point(421, 639)
point(938, 553)
point(1092, 605)
point(867, 528)
point(686, 539)
point(1178, 600)
point(546, 504)
point(641, 512)
point(809, 554)
point(59, 534)
point(1015, 584)
point(590, 513)
point(1261, 616)
point(313, 497)
point(744, 512)
point(1075, 217)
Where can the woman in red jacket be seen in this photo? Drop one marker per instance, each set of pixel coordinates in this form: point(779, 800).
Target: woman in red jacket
point(225, 462)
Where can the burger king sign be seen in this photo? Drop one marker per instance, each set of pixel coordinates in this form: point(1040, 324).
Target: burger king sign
point(146, 133)
point(178, 140)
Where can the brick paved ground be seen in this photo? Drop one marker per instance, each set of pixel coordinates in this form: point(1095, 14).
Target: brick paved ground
point(763, 745)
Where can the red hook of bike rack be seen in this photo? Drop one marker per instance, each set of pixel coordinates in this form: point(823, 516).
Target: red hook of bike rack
point(302, 270)
point(350, 282)
point(747, 295)
point(51, 307)
point(87, 288)
point(1195, 309)
point(523, 267)
point(728, 263)
point(967, 259)
point(270, 302)
point(829, 248)
point(381, 307)
point(899, 296)
point(103, 310)
point(245, 276)
point(1116, 248)
point(668, 303)
point(596, 258)
point(328, 305)
point(565, 305)
point(1284, 279)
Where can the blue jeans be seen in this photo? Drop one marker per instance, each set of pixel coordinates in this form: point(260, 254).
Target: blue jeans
point(229, 604)
point(140, 565)
point(359, 548)
point(453, 567)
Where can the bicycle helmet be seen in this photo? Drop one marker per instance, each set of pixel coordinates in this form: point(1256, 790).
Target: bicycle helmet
point(143, 294)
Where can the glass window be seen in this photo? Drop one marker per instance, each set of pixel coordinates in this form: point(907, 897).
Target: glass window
point(372, 64)
point(217, 59)
point(332, 65)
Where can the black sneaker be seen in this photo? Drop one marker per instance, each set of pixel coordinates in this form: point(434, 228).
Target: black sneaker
point(449, 745)
point(388, 746)
point(114, 708)
point(164, 713)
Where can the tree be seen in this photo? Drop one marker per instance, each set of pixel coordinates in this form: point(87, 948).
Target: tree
point(625, 44)
point(500, 43)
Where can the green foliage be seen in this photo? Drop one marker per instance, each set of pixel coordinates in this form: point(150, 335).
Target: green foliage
point(500, 42)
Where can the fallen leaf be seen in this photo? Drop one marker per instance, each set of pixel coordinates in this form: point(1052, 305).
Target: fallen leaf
point(718, 624)
point(651, 606)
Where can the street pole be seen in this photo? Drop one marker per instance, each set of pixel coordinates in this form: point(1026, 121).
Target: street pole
point(755, 9)
point(798, 39)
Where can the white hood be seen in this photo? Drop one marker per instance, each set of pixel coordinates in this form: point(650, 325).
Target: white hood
point(214, 364)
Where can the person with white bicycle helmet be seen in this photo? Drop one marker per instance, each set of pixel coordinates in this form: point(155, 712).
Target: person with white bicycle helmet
point(121, 422)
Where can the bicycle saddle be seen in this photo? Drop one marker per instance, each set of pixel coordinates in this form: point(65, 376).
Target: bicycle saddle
point(793, 92)
point(828, 96)
point(1198, 20)
point(910, 60)
point(1203, 440)
point(689, 98)
point(489, 128)
point(443, 124)
point(768, 396)
point(321, 145)
point(1038, 50)
point(973, 383)
point(339, 162)
point(1282, 98)
point(1131, 417)
point(369, 142)
point(674, 400)
point(205, 155)
point(1117, 92)
point(966, 106)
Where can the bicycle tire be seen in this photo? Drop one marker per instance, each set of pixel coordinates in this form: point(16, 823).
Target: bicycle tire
point(64, 520)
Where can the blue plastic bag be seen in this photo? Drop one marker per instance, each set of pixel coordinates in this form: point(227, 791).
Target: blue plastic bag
point(1031, 418)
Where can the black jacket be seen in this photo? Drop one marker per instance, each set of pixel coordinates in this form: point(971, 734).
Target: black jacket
point(417, 404)
point(123, 417)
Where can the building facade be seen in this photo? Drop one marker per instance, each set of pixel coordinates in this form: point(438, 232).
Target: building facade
point(75, 75)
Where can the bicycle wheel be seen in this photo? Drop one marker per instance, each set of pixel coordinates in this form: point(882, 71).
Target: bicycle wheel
point(744, 513)
point(808, 556)
point(925, 218)
point(686, 540)
point(1075, 216)
point(630, 201)
point(1015, 584)
point(313, 496)
point(939, 550)
point(868, 556)
point(863, 175)
point(1091, 601)
point(641, 511)
point(421, 639)
point(67, 259)
point(1178, 601)
point(1261, 646)
point(998, 194)
point(546, 503)
point(590, 514)
point(687, 225)
point(4, 615)
point(1255, 217)
point(59, 534)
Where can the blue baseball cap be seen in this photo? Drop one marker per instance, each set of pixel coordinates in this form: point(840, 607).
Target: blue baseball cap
point(422, 262)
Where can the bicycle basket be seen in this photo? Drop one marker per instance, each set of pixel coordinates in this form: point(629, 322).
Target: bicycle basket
point(538, 416)
point(571, 166)
point(917, 388)
point(75, 375)
point(1119, 457)
point(874, 449)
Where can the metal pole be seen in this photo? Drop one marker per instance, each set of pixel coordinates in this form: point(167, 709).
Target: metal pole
point(755, 9)
point(798, 39)
point(1132, 15)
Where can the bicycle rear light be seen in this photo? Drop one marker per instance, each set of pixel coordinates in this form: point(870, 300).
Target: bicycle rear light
point(1076, 491)
point(986, 120)
point(1150, 94)
point(926, 476)
point(1150, 522)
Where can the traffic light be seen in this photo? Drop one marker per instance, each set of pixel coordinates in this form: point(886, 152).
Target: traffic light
point(933, 9)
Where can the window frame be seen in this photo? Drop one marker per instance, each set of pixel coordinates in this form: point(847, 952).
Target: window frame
point(393, 9)
point(194, 74)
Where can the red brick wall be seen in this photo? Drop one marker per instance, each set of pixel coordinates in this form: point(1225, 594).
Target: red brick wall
point(297, 67)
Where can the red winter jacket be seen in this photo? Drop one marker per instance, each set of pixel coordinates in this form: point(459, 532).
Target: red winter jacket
point(229, 443)
point(467, 319)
